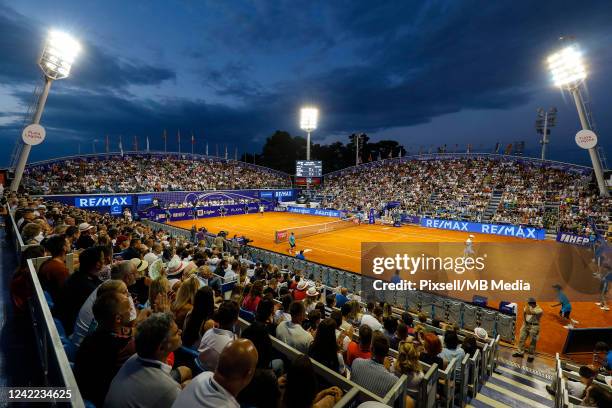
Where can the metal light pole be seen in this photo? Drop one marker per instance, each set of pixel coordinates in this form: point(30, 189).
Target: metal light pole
point(544, 122)
point(56, 60)
point(569, 73)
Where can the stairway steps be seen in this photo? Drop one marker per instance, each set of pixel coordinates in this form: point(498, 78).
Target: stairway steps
point(513, 386)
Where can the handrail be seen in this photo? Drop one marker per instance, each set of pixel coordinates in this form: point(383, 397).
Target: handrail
point(50, 348)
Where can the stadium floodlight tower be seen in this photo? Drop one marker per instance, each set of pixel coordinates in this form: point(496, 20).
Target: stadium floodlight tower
point(308, 122)
point(569, 73)
point(55, 61)
point(545, 121)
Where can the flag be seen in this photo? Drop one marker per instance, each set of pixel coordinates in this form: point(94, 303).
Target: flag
point(469, 148)
point(207, 148)
point(107, 146)
point(496, 148)
point(135, 143)
point(192, 142)
point(178, 136)
point(508, 149)
point(370, 157)
point(379, 156)
point(120, 145)
point(399, 152)
point(165, 136)
point(225, 152)
point(147, 144)
point(391, 153)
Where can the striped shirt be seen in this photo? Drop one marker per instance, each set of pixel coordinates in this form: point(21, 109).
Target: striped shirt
point(372, 376)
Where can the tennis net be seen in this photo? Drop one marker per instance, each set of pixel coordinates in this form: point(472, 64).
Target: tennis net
point(308, 230)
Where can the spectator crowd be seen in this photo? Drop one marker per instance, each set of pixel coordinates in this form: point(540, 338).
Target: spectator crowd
point(138, 173)
point(138, 298)
point(530, 193)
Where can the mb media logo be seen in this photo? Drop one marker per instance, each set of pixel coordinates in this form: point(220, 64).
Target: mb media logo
point(102, 201)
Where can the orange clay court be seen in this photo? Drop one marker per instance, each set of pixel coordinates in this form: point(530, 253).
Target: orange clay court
point(342, 249)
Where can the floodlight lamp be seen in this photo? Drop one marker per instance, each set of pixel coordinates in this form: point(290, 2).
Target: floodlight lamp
point(59, 53)
point(566, 67)
point(308, 118)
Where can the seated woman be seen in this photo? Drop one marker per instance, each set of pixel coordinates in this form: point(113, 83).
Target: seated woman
point(299, 387)
point(408, 363)
point(325, 348)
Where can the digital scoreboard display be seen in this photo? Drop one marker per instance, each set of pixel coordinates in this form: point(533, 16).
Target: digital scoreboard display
point(304, 168)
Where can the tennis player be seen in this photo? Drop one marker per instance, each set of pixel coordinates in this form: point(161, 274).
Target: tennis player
point(261, 208)
point(292, 243)
point(468, 250)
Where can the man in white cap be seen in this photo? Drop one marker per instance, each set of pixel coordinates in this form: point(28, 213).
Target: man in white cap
point(85, 238)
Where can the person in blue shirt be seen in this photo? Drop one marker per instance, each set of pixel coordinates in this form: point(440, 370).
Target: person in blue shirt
point(342, 297)
point(566, 307)
point(291, 243)
point(301, 255)
point(396, 277)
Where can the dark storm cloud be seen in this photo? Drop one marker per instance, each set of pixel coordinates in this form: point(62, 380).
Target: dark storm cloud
point(402, 63)
point(21, 42)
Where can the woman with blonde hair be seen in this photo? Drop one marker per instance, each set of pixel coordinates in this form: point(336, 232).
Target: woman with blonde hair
point(158, 295)
point(184, 299)
point(408, 363)
point(418, 337)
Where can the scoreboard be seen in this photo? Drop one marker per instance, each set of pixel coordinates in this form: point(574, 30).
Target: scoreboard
point(304, 168)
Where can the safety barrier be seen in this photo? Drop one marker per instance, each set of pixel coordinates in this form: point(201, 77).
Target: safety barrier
point(55, 366)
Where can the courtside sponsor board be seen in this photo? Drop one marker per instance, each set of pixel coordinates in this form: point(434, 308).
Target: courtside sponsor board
point(280, 236)
point(498, 271)
point(507, 230)
point(575, 239)
point(316, 211)
point(102, 201)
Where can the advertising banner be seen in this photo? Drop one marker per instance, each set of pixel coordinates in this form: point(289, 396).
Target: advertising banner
point(316, 211)
point(507, 230)
point(575, 239)
point(181, 214)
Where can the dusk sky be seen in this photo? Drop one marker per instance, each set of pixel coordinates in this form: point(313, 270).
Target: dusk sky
point(424, 73)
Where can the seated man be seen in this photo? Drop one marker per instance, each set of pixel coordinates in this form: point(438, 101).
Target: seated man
point(218, 389)
point(292, 332)
point(145, 379)
point(373, 374)
point(215, 339)
point(104, 351)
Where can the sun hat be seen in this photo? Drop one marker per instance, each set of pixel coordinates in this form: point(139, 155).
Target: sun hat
point(302, 285)
point(150, 257)
point(481, 333)
point(155, 269)
point(139, 264)
point(175, 266)
point(312, 292)
point(84, 227)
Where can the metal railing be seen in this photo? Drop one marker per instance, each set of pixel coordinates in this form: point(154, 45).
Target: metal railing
point(56, 368)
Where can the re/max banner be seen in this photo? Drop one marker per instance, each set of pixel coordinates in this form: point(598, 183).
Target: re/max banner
point(507, 230)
